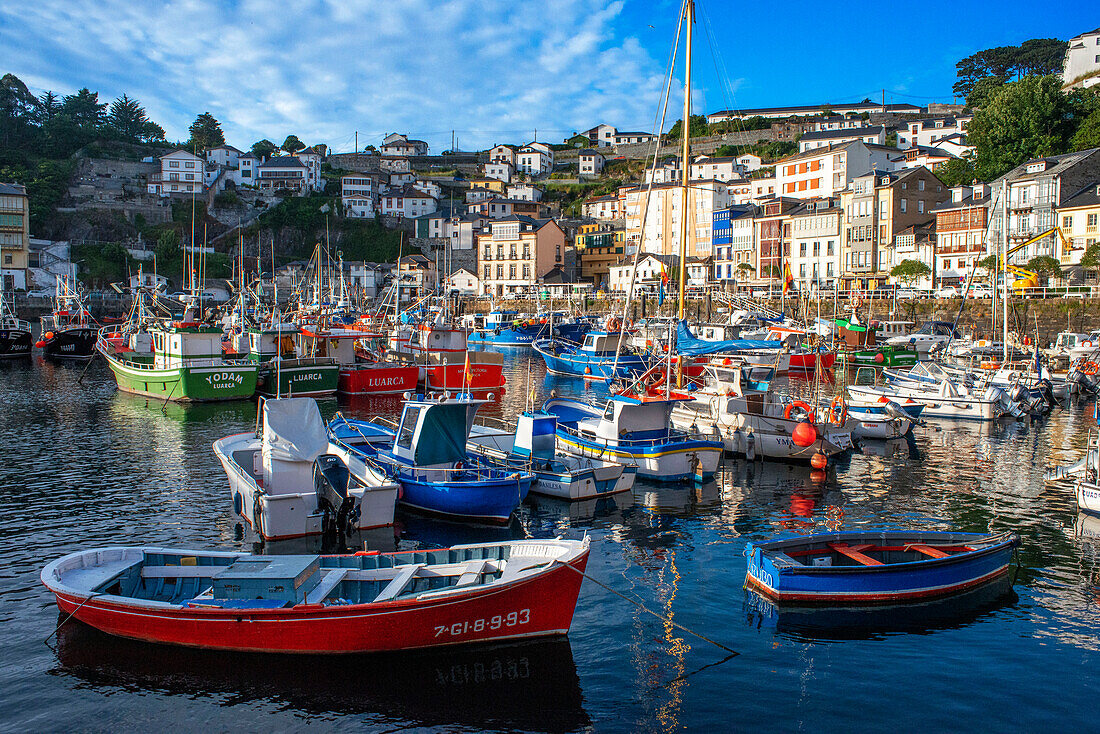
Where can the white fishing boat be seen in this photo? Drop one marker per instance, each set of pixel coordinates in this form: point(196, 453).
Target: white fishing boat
point(531, 444)
point(285, 485)
point(752, 421)
point(943, 401)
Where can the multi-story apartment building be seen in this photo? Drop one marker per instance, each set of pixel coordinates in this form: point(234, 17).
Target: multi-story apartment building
point(960, 233)
point(407, 202)
point(931, 131)
point(1035, 190)
point(590, 162)
point(825, 172)
point(859, 248)
point(14, 235)
point(598, 247)
point(358, 194)
point(500, 170)
point(503, 154)
point(872, 134)
point(1081, 66)
point(815, 243)
point(904, 199)
point(515, 252)
point(524, 192)
point(661, 231)
point(181, 173)
point(713, 168)
point(1079, 218)
point(773, 235)
point(602, 207)
point(733, 237)
point(535, 159)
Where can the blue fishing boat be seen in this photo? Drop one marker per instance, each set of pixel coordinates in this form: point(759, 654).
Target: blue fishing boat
point(884, 567)
point(506, 329)
point(595, 357)
point(636, 428)
point(426, 451)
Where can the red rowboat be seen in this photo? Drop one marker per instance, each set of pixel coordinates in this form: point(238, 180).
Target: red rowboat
point(365, 602)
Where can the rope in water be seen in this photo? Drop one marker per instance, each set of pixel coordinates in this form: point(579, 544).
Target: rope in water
point(58, 627)
point(644, 608)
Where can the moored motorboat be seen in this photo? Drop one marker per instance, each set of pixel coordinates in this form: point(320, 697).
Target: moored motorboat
point(67, 332)
point(284, 485)
point(603, 354)
point(866, 567)
point(15, 333)
point(366, 602)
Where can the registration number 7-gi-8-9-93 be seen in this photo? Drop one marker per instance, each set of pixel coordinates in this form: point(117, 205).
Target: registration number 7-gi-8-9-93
point(511, 619)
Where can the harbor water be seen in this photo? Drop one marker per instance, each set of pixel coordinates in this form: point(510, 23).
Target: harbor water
point(87, 466)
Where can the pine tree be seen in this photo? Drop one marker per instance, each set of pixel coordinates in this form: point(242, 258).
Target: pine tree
point(128, 118)
point(206, 132)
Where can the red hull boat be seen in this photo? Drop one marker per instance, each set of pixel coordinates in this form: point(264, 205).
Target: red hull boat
point(329, 604)
point(377, 379)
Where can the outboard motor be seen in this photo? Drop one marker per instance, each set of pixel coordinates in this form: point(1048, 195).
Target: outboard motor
point(892, 409)
point(1001, 398)
point(1046, 389)
point(331, 481)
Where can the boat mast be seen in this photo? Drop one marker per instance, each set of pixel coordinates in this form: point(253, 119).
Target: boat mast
point(685, 164)
point(1004, 271)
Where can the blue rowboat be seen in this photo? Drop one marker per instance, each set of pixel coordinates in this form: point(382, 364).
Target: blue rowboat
point(594, 358)
point(885, 567)
point(427, 453)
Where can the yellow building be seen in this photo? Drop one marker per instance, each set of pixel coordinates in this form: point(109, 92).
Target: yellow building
point(1080, 221)
point(14, 235)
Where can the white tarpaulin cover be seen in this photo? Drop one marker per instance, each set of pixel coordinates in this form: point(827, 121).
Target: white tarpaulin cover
point(293, 430)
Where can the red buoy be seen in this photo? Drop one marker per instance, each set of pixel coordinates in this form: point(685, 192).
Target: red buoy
point(40, 344)
point(879, 358)
point(804, 434)
point(818, 461)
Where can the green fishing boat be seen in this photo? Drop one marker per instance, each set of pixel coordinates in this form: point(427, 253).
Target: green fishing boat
point(173, 360)
point(879, 356)
point(282, 372)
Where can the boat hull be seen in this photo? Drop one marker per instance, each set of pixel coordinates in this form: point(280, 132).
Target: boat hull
point(74, 342)
point(595, 482)
point(579, 365)
point(377, 379)
point(185, 384)
point(15, 343)
point(487, 501)
point(297, 378)
point(538, 606)
point(483, 376)
point(887, 583)
point(1088, 497)
point(509, 337)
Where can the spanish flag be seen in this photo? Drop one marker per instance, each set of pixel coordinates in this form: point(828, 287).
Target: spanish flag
point(788, 279)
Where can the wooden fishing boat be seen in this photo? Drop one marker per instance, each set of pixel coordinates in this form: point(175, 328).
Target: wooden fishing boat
point(366, 602)
point(356, 377)
point(282, 372)
point(15, 333)
point(595, 358)
point(867, 567)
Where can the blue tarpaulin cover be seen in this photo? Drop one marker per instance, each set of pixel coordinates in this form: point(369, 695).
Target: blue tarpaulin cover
point(689, 345)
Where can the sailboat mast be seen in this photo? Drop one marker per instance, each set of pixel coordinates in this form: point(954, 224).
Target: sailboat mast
point(685, 125)
point(1004, 271)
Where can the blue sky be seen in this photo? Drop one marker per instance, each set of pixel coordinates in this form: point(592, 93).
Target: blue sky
point(493, 70)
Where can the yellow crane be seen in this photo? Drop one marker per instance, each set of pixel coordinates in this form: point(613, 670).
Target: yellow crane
point(1026, 278)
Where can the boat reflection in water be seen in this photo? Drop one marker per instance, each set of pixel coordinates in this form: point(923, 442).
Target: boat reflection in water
point(872, 622)
point(530, 686)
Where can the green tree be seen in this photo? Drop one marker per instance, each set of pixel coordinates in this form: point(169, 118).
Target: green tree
point(990, 263)
point(263, 148)
point(698, 128)
point(206, 132)
point(152, 133)
point(1091, 259)
point(1041, 56)
point(127, 117)
point(909, 271)
point(983, 89)
point(956, 172)
point(1044, 265)
point(1088, 133)
point(1023, 120)
point(744, 269)
point(49, 105)
point(85, 109)
point(292, 144)
point(18, 110)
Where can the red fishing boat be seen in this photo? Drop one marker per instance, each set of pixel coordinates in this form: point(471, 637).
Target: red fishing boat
point(357, 377)
point(444, 362)
point(367, 602)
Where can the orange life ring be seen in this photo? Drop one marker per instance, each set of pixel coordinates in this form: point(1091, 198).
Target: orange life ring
point(614, 323)
point(799, 404)
point(1090, 368)
point(841, 417)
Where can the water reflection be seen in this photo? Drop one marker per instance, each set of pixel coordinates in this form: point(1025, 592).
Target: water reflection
point(531, 686)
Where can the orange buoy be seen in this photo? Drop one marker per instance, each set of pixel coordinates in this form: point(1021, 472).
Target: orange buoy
point(727, 361)
point(587, 370)
point(40, 344)
point(819, 461)
point(804, 434)
point(818, 477)
point(49, 335)
point(879, 358)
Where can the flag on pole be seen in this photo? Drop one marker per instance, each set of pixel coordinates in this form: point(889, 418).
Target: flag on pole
point(788, 279)
point(467, 374)
point(661, 288)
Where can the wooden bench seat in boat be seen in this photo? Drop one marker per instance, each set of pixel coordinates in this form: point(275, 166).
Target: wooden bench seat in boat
point(927, 550)
point(855, 553)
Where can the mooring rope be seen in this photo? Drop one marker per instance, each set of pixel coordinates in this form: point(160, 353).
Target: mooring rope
point(58, 627)
point(644, 608)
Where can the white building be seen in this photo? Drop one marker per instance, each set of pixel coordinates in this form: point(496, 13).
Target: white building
point(524, 192)
point(825, 172)
point(875, 135)
point(763, 188)
point(395, 165)
point(396, 144)
point(463, 282)
point(749, 162)
point(180, 173)
point(633, 138)
point(225, 156)
point(666, 171)
point(602, 207)
point(358, 194)
point(407, 202)
point(931, 131)
point(815, 243)
point(501, 171)
point(1081, 67)
point(590, 162)
point(503, 154)
point(602, 135)
point(535, 159)
point(715, 169)
point(650, 270)
point(838, 122)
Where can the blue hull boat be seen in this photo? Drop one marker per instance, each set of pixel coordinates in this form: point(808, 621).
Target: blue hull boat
point(886, 567)
point(427, 455)
point(594, 358)
point(521, 336)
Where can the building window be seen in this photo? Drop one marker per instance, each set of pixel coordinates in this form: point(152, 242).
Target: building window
point(920, 205)
point(488, 271)
point(512, 272)
point(526, 272)
point(173, 164)
point(189, 164)
point(1067, 222)
point(488, 252)
point(904, 205)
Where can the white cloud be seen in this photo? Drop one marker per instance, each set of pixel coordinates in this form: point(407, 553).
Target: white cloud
point(493, 70)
